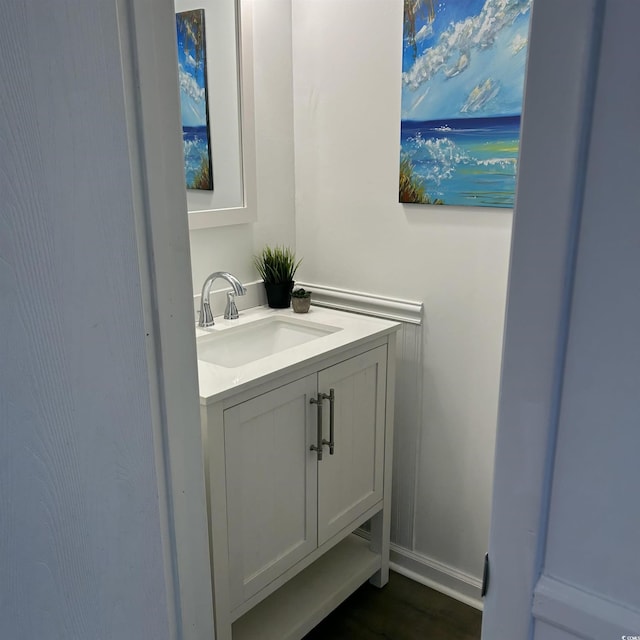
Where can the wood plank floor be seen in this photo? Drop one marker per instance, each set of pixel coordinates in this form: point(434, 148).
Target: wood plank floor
point(402, 610)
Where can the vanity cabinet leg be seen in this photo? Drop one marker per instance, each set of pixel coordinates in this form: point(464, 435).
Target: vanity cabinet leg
point(223, 630)
point(380, 529)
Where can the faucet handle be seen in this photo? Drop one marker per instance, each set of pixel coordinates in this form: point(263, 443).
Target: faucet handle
point(231, 312)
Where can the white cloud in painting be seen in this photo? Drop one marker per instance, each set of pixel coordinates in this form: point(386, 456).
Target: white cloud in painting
point(480, 96)
point(518, 44)
point(424, 32)
point(190, 60)
point(189, 86)
point(192, 100)
point(416, 100)
point(420, 98)
point(458, 67)
point(195, 112)
point(473, 33)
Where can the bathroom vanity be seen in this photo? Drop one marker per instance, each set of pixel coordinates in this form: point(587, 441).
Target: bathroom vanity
point(297, 422)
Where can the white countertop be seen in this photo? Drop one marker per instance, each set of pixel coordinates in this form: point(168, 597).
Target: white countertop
point(217, 382)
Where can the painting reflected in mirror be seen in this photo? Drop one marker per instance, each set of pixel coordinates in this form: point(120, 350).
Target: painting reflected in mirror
point(194, 104)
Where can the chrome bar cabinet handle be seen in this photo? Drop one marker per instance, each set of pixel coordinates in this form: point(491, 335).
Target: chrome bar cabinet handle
point(318, 447)
point(331, 397)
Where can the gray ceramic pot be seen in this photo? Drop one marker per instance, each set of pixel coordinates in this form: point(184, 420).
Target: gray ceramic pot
point(301, 305)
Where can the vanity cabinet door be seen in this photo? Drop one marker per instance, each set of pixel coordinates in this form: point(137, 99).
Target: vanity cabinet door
point(351, 480)
point(271, 476)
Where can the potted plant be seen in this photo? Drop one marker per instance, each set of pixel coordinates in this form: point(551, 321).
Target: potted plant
point(301, 300)
point(277, 266)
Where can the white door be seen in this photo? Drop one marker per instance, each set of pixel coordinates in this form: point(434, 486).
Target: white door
point(565, 545)
point(350, 480)
point(271, 485)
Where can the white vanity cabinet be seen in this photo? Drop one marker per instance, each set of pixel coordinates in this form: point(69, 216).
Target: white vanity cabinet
point(272, 483)
point(282, 516)
point(350, 480)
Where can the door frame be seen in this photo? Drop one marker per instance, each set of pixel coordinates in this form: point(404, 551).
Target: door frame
point(152, 109)
point(559, 94)
point(564, 40)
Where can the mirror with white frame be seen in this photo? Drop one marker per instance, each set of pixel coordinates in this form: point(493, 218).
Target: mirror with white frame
point(229, 72)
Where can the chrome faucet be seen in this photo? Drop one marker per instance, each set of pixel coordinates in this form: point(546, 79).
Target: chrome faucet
point(231, 312)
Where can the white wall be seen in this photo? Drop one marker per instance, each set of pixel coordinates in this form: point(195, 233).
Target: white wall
point(230, 248)
point(353, 234)
point(82, 548)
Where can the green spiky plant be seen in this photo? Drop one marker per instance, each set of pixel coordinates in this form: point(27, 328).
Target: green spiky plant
point(276, 264)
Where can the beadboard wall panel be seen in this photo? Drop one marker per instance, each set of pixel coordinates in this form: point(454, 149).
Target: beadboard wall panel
point(406, 441)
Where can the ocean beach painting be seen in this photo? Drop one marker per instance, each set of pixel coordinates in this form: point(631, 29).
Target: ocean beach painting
point(463, 64)
point(192, 77)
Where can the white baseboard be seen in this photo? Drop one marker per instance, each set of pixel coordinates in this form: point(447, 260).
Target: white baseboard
point(438, 576)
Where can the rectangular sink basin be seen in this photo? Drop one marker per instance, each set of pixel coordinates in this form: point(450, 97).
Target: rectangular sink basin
point(246, 343)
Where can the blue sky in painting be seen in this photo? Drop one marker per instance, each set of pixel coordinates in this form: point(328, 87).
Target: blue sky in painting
point(192, 85)
point(470, 60)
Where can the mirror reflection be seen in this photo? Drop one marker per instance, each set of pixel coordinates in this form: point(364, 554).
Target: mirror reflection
point(208, 74)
